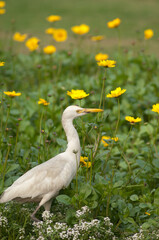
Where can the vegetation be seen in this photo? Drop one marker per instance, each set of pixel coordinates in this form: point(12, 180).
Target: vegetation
point(115, 194)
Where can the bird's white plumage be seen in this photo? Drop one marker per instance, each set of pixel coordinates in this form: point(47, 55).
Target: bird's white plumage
point(44, 181)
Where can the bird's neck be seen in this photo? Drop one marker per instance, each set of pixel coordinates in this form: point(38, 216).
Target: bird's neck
point(72, 138)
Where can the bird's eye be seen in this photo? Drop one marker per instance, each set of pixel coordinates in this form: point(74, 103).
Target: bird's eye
point(79, 110)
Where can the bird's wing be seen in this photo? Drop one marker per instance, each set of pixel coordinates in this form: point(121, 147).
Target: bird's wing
point(49, 176)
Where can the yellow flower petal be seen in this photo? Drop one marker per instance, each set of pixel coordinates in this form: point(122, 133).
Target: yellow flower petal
point(2, 4)
point(101, 56)
point(19, 37)
point(106, 63)
point(114, 24)
point(60, 35)
point(104, 140)
point(12, 94)
point(133, 120)
point(80, 29)
point(155, 108)
point(53, 18)
point(50, 31)
point(49, 49)
point(148, 33)
point(2, 11)
point(116, 93)
point(2, 64)
point(97, 38)
point(32, 43)
point(43, 102)
point(77, 94)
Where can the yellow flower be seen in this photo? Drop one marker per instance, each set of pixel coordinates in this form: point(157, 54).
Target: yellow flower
point(88, 164)
point(147, 213)
point(2, 64)
point(85, 162)
point(104, 140)
point(80, 29)
point(60, 35)
point(2, 11)
point(83, 159)
point(132, 120)
point(19, 37)
point(32, 43)
point(97, 38)
point(155, 108)
point(49, 49)
point(43, 102)
point(77, 94)
point(101, 56)
point(115, 23)
point(2, 4)
point(116, 93)
point(50, 31)
point(12, 94)
point(53, 18)
point(106, 63)
point(148, 33)
point(116, 139)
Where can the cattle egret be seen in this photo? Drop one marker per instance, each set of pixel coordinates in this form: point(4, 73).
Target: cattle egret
point(43, 182)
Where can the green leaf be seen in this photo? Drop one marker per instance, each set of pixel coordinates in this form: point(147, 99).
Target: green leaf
point(12, 167)
point(156, 197)
point(134, 198)
point(64, 199)
point(85, 191)
point(155, 162)
point(61, 142)
point(118, 184)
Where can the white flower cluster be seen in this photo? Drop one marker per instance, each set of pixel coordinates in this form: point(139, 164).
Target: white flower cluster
point(81, 212)
point(144, 233)
point(40, 238)
point(3, 221)
point(46, 215)
point(137, 236)
point(38, 225)
point(107, 222)
point(61, 226)
point(82, 228)
point(49, 230)
point(93, 229)
point(22, 233)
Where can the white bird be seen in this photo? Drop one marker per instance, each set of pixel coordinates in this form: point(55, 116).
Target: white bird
point(43, 182)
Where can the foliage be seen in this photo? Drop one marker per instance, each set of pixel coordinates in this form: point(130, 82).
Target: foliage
point(121, 184)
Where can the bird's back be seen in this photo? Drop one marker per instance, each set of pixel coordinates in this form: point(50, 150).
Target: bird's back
point(50, 176)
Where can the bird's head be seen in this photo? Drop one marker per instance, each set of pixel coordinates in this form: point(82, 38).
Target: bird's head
point(73, 111)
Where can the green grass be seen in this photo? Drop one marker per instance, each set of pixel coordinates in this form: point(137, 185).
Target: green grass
point(30, 16)
point(122, 183)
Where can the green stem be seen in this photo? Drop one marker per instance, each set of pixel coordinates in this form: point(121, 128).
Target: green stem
point(15, 150)
point(8, 114)
point(91, 167)
point(5, 162)
point(102, 98)
point(76, 174)
point(117, 124)
point(40, 135)
point(109, 196)
point(127, 137)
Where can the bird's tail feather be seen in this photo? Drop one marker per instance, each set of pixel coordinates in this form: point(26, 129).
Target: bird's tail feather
point(6, 196)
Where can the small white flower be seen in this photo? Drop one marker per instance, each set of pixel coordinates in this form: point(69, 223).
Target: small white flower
point(3, 221)
point(46, 215)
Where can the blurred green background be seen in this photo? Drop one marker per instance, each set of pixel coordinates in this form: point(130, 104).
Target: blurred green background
point(136, 16)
